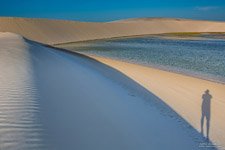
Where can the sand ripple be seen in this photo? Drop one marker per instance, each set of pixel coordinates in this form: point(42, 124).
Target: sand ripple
point(19, 125)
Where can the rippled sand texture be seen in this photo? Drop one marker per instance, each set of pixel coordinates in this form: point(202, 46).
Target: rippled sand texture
point(19, 126)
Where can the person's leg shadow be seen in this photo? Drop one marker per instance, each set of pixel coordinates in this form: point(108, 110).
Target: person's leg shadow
point(206, 112)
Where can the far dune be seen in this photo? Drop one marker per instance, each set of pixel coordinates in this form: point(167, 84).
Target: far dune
point(60, 31)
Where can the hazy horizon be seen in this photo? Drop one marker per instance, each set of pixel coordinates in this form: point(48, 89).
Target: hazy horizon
point(112, 20)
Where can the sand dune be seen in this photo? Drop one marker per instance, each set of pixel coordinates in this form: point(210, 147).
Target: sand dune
point(34, 73)
point(59, 31)
point(51, 99)
point(182, 93)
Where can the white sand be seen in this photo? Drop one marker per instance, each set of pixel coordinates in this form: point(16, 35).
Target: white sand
point(182, 93)
point(59, 31)
point(54, 100)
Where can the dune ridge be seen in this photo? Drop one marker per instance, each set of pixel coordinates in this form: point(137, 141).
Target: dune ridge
point(180, 92)
point(62, 31)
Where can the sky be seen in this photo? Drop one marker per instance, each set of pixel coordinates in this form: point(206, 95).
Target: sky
point(109, 10)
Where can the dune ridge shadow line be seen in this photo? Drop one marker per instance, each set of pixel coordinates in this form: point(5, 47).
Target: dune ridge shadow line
point(131, 85)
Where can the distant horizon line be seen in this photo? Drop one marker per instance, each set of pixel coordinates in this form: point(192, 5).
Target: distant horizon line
point(116, 20)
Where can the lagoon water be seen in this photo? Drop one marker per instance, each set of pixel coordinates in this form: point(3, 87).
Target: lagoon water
point(204, 58)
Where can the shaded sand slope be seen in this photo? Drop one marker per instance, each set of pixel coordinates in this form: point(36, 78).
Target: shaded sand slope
point(54, 100)
point(182, 93)
point(59, 31)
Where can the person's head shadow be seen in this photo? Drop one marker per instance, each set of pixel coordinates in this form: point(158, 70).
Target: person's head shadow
point(206, 112)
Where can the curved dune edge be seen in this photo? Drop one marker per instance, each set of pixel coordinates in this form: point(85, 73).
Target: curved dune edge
point(180, 92)
point(54, 100)
point(60, 31)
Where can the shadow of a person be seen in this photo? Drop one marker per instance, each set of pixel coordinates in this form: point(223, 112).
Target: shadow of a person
point(206, 112)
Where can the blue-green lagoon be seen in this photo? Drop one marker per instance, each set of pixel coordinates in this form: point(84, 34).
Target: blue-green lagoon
point(202, 57)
